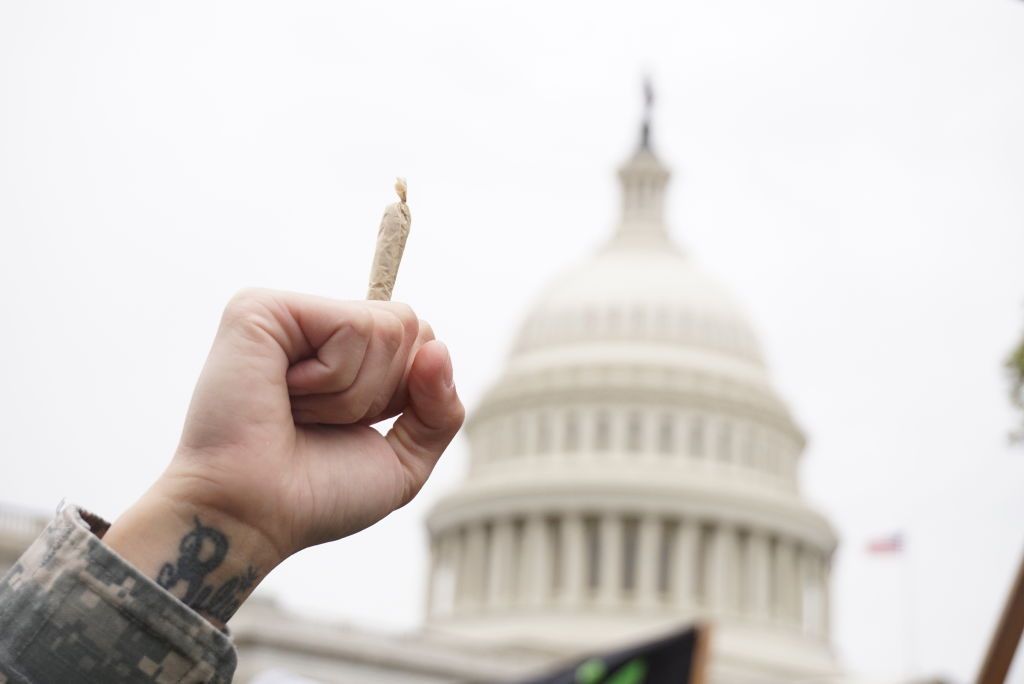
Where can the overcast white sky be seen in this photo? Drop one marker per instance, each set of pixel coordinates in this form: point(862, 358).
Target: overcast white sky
point(853, 170)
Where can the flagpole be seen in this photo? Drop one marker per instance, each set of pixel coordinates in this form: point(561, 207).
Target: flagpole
point(1007, 635)
point(897, 544)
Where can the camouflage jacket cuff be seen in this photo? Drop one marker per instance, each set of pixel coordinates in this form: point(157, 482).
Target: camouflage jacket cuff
point(71, 609)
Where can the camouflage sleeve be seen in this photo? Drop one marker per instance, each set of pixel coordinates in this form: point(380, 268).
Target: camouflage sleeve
point(72, 610)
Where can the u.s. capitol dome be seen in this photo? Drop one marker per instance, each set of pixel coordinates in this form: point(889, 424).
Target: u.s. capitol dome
point(633, 469)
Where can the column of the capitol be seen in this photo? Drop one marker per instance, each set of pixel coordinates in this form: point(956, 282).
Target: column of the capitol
point(722, 569)
point(610, 563)
point(573, 569)
point(684, 564)
point(535, 556)
point(757, 576)
point(647, 561)
point(476, 549)
point(499, 567)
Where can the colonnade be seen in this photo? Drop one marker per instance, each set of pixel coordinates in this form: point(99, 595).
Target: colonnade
point(574, 560)
point(571, 432)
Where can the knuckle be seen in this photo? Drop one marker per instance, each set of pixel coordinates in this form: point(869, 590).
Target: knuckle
point(245, 297)
point(390, 331)
point(246, 306)
point(407, 317)
point(344, 375)
point(360, 321)
point(404, 312)
point(345, 410)
point(363, 408)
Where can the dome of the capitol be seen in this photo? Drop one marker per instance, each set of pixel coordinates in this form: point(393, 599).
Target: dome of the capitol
point(633, 470)
point(640, 293)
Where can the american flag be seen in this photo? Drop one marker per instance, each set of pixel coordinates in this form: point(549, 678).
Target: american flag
point(892, 543)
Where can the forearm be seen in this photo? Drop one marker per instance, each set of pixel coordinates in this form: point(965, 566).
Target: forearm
point(204, 557)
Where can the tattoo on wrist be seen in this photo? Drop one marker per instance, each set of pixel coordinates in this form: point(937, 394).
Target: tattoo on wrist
point(201, 551)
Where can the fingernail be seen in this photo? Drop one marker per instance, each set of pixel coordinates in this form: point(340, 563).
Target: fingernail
point(449, 372)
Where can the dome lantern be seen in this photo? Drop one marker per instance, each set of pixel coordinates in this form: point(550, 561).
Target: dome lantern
point(643, 179)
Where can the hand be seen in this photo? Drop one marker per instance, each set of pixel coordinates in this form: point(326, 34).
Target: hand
point(277, 435)
point(277, 453)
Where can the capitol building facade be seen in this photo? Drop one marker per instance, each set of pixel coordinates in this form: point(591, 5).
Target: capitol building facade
point(631, 471)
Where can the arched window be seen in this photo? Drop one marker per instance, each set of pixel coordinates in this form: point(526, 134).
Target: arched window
point(725, 442)
point(771, 455)
point(666, 434)
point(635, 432)
point(502, 439)
point(789, 457)
point(518, 435)
point(543, 433)
point(747, 452)
point(757, 450)
point(572, 432)
point(697, 437)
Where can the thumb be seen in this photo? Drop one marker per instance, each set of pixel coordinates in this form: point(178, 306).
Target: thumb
point(431, 419)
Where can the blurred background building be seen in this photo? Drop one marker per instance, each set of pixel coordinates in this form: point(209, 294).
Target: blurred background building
point(632, 471)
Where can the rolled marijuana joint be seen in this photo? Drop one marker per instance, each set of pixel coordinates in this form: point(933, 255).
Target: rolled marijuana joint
point(391, 237)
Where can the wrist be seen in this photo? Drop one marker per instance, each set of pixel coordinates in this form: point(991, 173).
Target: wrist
point(204, 557)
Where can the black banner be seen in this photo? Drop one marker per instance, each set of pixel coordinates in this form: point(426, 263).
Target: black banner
point(674, 659)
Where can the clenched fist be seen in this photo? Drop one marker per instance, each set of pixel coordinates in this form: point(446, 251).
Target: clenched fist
point(277, 453)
